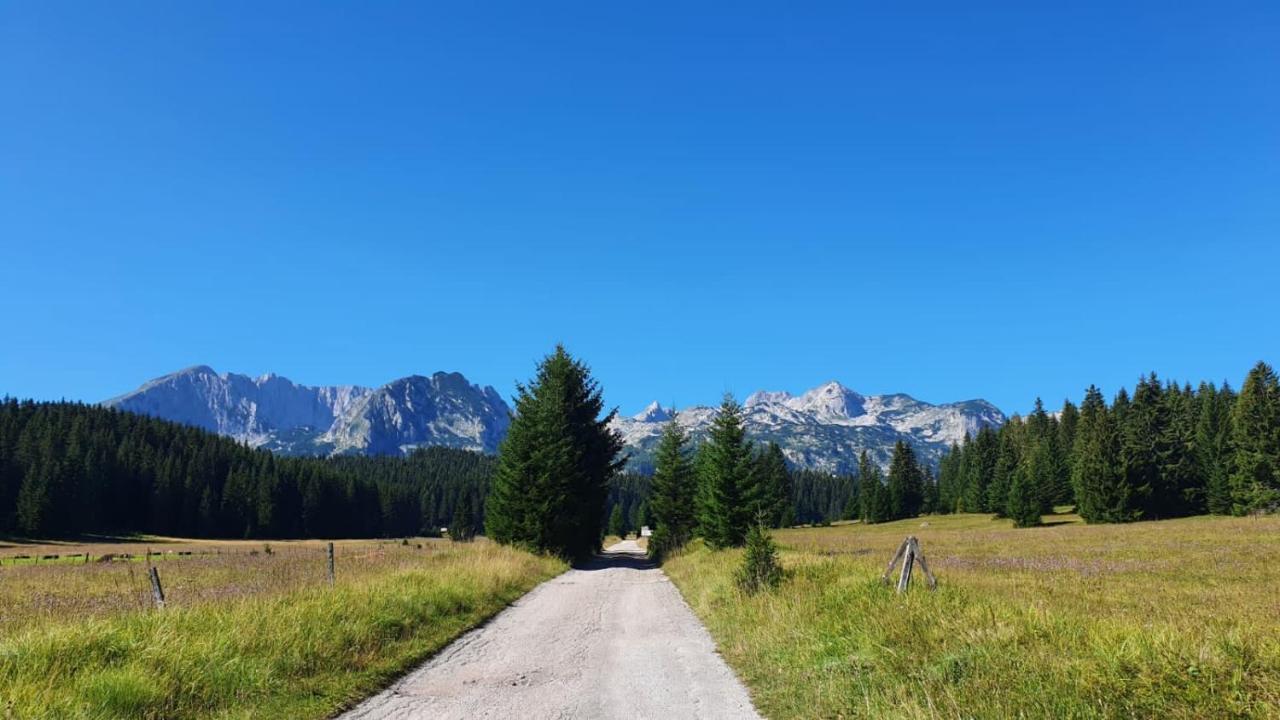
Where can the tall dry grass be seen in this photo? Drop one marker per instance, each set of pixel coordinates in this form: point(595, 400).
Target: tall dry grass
point(1174, 619)
point(243, 635)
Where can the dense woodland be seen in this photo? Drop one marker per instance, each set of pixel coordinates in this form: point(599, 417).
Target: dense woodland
point(70, 469)
point(1166, 450)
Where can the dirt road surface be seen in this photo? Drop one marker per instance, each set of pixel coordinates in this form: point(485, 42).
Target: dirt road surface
point(612, 639)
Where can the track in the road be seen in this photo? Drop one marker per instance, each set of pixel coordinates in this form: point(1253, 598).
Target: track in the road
point(612, 639)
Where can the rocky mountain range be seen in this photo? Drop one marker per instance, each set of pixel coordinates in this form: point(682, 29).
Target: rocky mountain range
point(827, 427)
point(824, 429)
point(275, 413)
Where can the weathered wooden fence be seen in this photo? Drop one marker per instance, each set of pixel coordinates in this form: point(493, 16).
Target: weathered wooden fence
point(909, 554)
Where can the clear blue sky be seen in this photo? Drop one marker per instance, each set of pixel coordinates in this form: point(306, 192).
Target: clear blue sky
point(952, 200)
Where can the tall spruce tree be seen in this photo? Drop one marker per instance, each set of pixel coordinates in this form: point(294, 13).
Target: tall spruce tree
point(931, 498)
point(1097, 475)
point(906, 484)
point(980, 467)
point(555, 464)
point(1213, 445)
point(773, 487)
point(1255, 439)
point(617, 521)
point(674, 492)
point(1007, 463)
point(876, 504)
point(948, 480)
point(725, 485)
point(1023, 503)
point(1182, 480)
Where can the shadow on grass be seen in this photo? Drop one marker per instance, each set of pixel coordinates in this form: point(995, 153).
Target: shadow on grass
point(9, 541)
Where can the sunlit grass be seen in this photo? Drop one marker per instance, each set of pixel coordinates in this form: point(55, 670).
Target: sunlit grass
point(1164, 619)
point(243, 635)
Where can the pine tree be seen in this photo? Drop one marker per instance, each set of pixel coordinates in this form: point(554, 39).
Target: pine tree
point(980, 467)
point(462, 528)
point(931, 497)
point(761, 569)
point(617, 521)
point(1255, 438)
point(1007, 464)
point(725, 482)
point(1097, 475)
point(674, 491)
point(948, 480)
point(1183, 484)
point(773, 487)
point(1213, 445)
point(1023, 505)
point(1041, 471)
point(906, 491)
point(555, 464)
point(876, 504)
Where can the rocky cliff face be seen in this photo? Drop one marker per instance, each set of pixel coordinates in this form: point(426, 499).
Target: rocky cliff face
point(275, 413)
point(827, 427)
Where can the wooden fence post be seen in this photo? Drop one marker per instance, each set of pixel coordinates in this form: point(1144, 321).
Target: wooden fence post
point(907, 561)
point(919, 557)
point(331, 575)
point(902, 549)
point(157, 592)
point(909, 553)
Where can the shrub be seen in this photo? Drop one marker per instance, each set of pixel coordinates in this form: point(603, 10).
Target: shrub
point(760, 567)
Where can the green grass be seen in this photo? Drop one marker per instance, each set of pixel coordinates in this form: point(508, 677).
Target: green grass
point(1175, 619)
point(296, 648)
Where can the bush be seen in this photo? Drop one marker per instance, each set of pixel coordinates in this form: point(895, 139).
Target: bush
point(660, 544)
point(760, 567)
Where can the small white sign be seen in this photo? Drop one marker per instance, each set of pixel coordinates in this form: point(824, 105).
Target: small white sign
point(645, 531)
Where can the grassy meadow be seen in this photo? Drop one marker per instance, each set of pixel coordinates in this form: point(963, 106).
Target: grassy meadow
point(250, 629)
point(1172, 619)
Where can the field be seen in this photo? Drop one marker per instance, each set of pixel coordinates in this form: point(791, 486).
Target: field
point(1173, 619)
point(249, 629)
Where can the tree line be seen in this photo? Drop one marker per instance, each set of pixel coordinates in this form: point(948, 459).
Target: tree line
point(70, 469)
point(728, 485)
point(1165, 450)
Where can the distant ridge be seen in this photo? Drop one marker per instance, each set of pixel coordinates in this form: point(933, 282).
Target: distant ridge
point(273, 412)
point(827, 427)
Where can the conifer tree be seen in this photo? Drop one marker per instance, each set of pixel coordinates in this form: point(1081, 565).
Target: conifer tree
point(906, 491)
point(1041, 472)
point(980, 469)
point(1007, 464)
point(674, 491)
point(1182, 480)
point(554, 466)
point(948, 479)
point(1100, 486)
point(876, 504)
point(1255, 439)
point(725, 484)
point(931, 498)
point(761, 569)
point(617, 521)
point(1023, 504)
point(773, 487)
point(1213, 446)
point(462, 528)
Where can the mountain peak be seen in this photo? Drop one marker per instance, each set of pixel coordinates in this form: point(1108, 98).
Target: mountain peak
point(767, 397)
point(653, 412)
point(197, 370)
point(272, 411)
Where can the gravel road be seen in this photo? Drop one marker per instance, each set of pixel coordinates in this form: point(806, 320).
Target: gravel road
point(613, 639)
